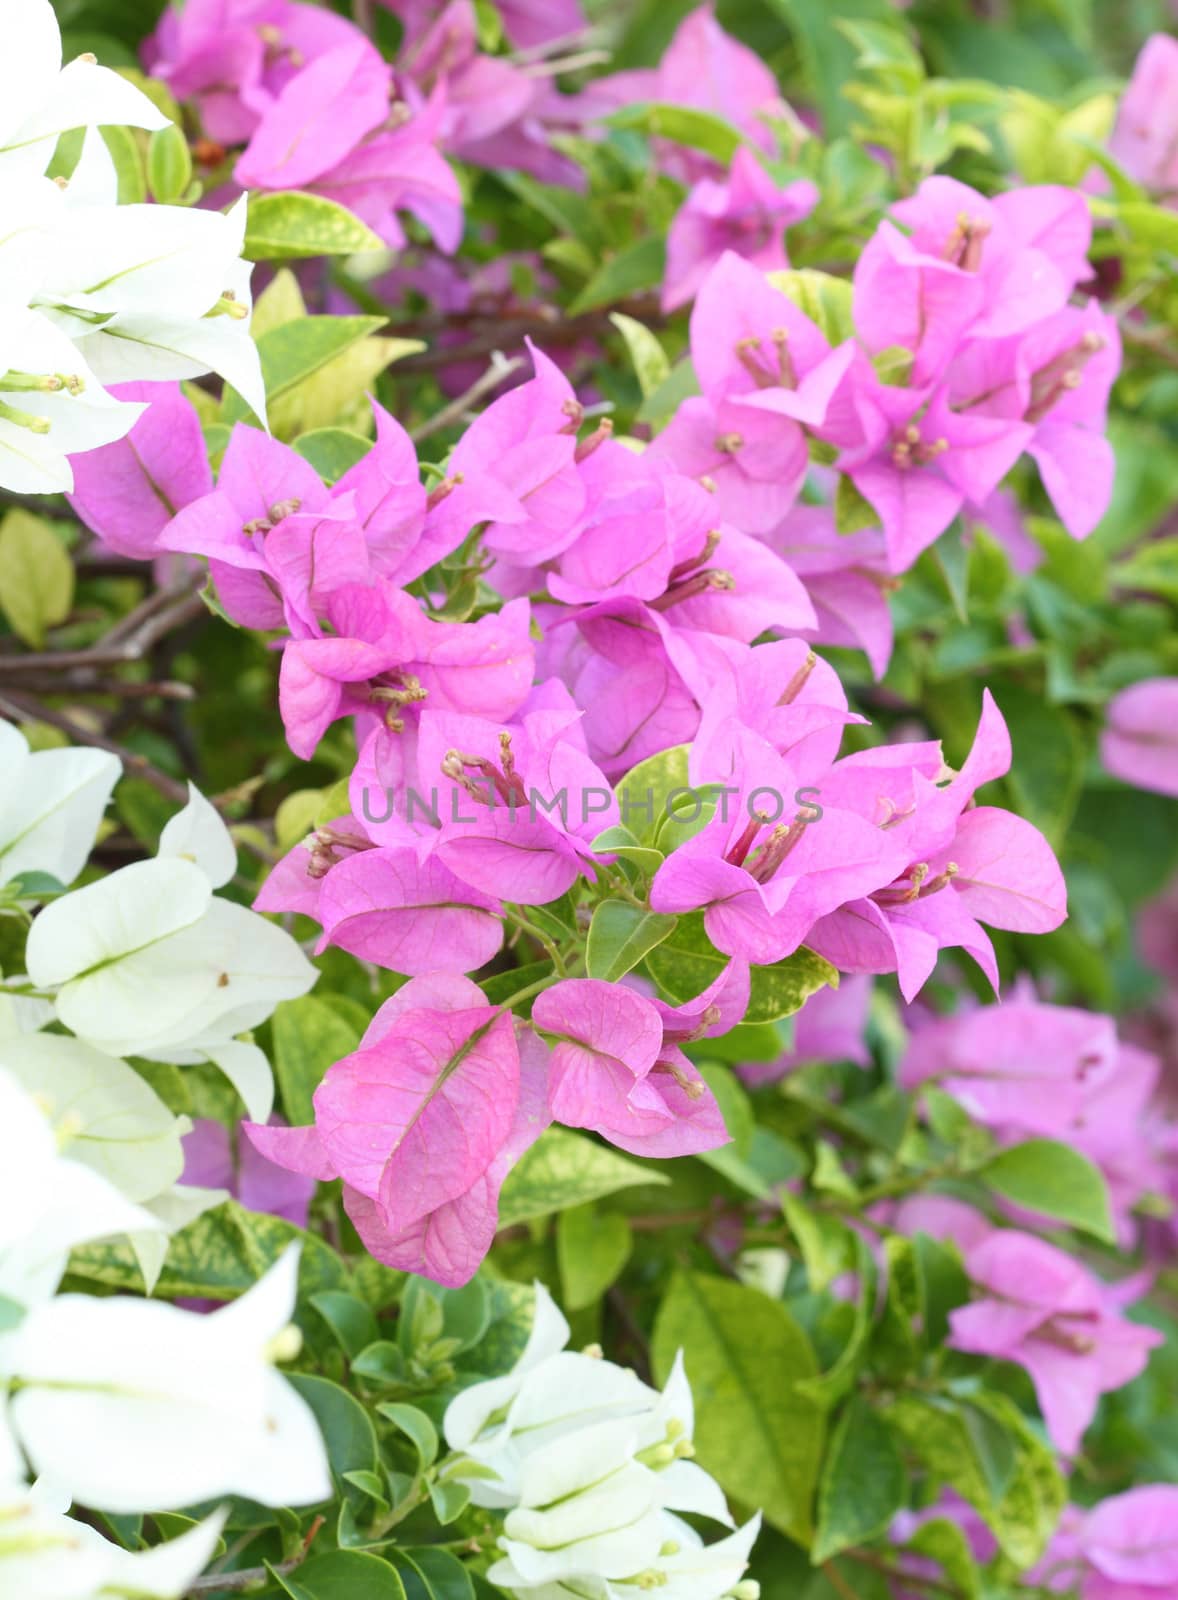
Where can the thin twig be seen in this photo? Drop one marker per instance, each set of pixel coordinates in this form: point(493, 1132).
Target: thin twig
point(21, 709)
point(132, 639)
point(84, 683)
point(498, 372)
point(837, 1582)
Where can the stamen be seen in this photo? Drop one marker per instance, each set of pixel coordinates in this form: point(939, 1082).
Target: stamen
point(443, 490)
point(1061, 375)
point(685, 567)
point(728, 443)
point(713, 579)
point(799, 680)
point(603, 431)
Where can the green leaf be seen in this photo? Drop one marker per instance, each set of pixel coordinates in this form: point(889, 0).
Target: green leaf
point(349, 1319)
point(687, 962)
point(36, 577)
point(344, 1575)
point(851, 511)
point(169, 166)
point(1043, 1175)
point(565, 1169)
point(296, 817)
point(825, 299)
point(863, 1483)
point(620, 935)
point(416, 1427)
point(619, 841)
point(443, 1576)
point(128, 161)
point(652, 365)
point(680, 384)
point(827, 1245)
point(630, 271)
point(297, 350)
point(348, 1434)
point(500, 986)
point(756, 1432)
point(699, 130)
point(449, 1501)
point(308, 1037)
point(592, 1248)
point(987, 1452)
point(644, 792)
point(332, 451)
point(945, 1542)
point(291, 225)
point(217, 1257)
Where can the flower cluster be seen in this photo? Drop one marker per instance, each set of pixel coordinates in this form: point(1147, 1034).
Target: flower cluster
point(93, 293)
point(591, 1466)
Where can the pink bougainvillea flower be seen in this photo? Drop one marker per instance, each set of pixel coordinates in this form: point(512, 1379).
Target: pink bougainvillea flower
point(128, 492)
point(967, 864)
point(318, 118)
point(422, 1122)
point(216, 1159)
point(918, 461)
point(771, 862)
point(1140, 739)
point(400, 168)
point(518, 805)
point(1053, 381)
point(782, 692)
point(846, 577)
point(614, 1070)
point(1042, 1309)
point(387, 906)
point(1131, 1540)
point(262, 482)
point(746, 213)
point(386, 654)
point(967, 267)
point(233, 57)
point(525, 445)
point(707, 68)
point(765, 370)
point(1022, 1065)
point(1145, 139)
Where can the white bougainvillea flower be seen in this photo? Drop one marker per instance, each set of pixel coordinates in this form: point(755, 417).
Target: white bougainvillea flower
point(131, 1404)
point(155, 293)
point(148, 962)
point(40, 430)
point(51, 803)
point(198, 834)
point(40, 99)
point(586, 1509)
point(48, 1203)
point(102, 1112)
point(552, 1392)
point(45, 1555)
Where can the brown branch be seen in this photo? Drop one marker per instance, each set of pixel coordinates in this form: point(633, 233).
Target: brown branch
point(85, 684)
point(21, 709)
point(131, 639)
point(250, 1577)
point(498, 372)
point(837, 1582)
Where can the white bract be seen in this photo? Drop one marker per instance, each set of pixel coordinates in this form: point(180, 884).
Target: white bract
point(589, 1463)
point(45, 1555)
point(149, 962)
point(131, 1405)
point(94, 293)
point(51, 803)
point(48, 1203)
